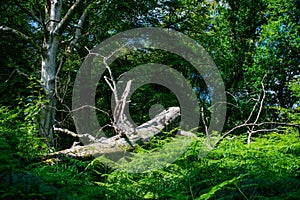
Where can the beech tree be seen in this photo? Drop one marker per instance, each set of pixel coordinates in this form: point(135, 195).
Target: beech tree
point(60, 33)
point(55, 29)
point(57, 26)
point(51, 22)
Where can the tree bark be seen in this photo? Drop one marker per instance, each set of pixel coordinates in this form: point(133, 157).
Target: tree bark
point(118, 144)
point(54, 26)
point(48, 70)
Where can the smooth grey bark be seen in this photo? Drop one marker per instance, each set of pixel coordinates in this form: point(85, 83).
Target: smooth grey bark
point(48, 71)
point(54, 26)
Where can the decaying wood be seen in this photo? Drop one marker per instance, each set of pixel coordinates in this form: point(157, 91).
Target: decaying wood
point(127, 136)
point(117, 144)
point(252, 126)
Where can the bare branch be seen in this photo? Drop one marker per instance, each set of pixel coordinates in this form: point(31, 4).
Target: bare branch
point(112, 83)
point(259, 111)
point(19, 72)
point(79, 27)
point(204, 122)
point(90, 137)
point(253, 109)
point(88, 106)
point(119, 110)
point(70, 49)
point(251, 126)
point(266, 130)
point(107, 80)
point(28, 12)
point(116, 143)
point(258, 125)
point(22, 35)
point(67, 131)
point(121, 125)
point(68, 17)
point(262, 100)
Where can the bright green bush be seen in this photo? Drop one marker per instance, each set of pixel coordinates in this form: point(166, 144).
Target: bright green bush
point(268, 168)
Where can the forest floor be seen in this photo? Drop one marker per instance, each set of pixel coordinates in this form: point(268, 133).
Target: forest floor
point(267, 168)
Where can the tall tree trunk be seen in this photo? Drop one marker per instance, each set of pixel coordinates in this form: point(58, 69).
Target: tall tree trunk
point(48, 71)
point(54, 25)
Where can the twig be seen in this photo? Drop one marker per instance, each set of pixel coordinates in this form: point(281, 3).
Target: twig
point(251, 126)
point(68, 17)
point(204, 121)
point(28, 12)
point(90, 137)
point(22, 35)
point(259, 111)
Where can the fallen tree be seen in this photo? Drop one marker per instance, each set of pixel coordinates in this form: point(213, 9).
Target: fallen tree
point(127, 136)
point(120, 143)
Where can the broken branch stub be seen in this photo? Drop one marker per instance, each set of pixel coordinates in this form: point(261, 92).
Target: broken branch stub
point(117, 144)
point(121, 124)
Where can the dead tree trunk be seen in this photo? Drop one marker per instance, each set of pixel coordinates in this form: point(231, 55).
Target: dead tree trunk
point(117, 144)
point(127, 135)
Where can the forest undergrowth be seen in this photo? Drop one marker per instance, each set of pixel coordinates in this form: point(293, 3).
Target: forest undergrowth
point(267, 168)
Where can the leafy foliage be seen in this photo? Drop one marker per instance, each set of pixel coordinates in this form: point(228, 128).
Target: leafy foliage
point(250, 41)
point(267, 168)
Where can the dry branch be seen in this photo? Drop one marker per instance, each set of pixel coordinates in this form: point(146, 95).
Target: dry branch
point(251, 126)
point(117, 143)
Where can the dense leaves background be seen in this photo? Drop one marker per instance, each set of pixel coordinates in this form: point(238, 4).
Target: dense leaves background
point(251, 42)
